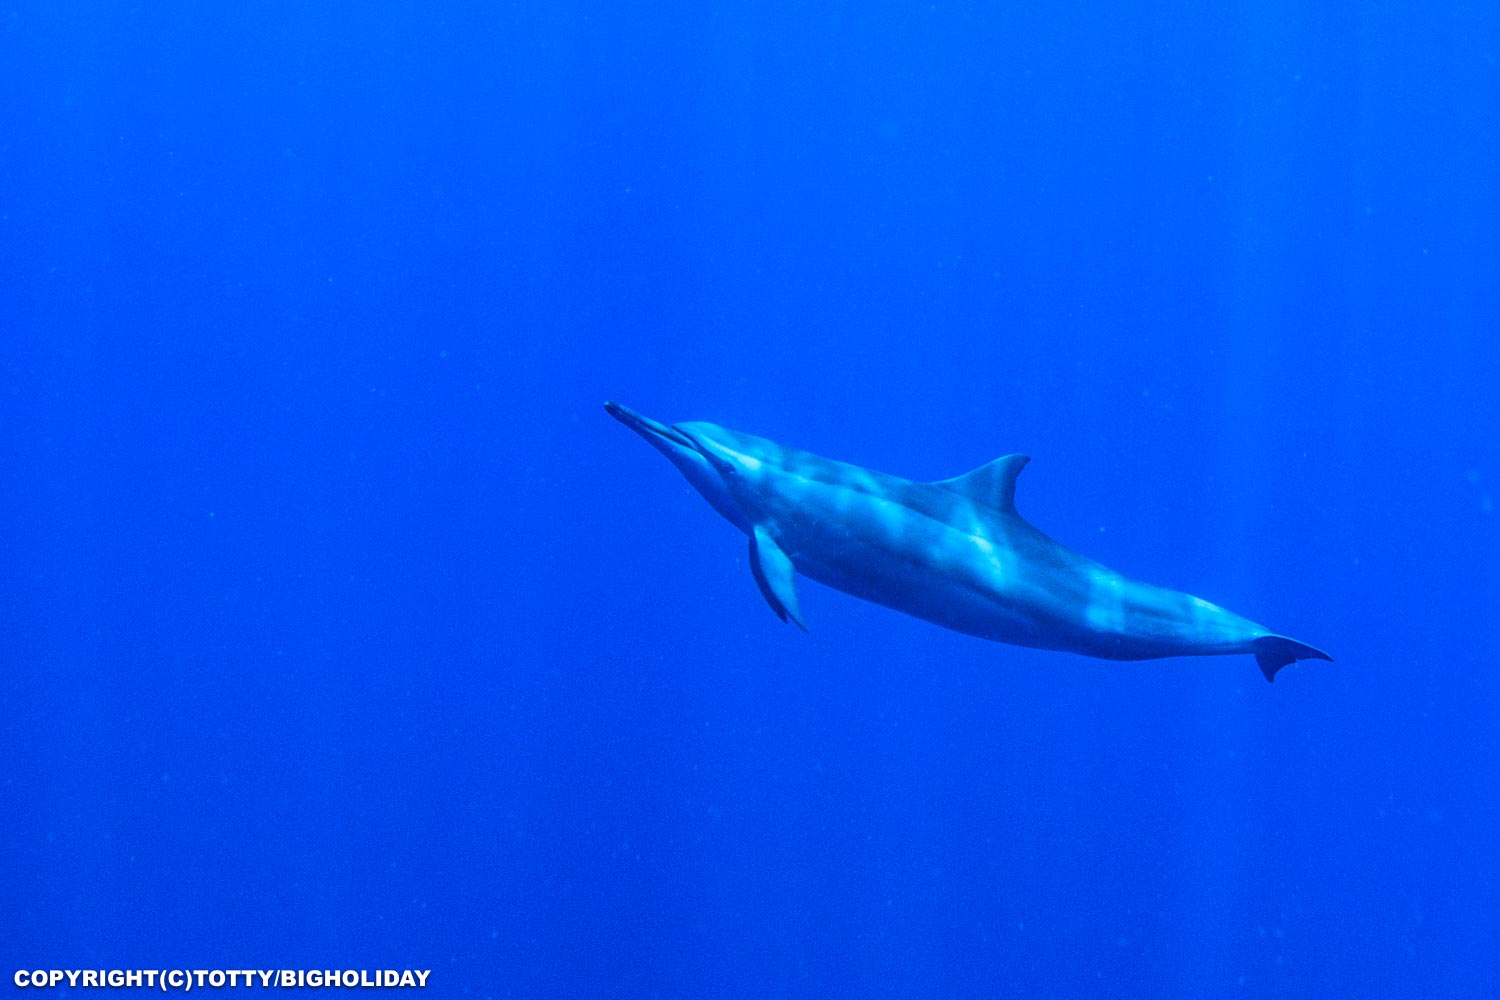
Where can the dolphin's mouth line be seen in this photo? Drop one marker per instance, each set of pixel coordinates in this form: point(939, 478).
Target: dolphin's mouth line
point(683, 438)
point(646, 427)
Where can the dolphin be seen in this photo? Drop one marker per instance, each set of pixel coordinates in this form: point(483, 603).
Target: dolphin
point(952, 552)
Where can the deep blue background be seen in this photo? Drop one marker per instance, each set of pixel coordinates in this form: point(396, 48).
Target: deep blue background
point(341, 627)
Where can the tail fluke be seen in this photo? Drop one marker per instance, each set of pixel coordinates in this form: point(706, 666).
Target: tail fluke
point(1273, 652)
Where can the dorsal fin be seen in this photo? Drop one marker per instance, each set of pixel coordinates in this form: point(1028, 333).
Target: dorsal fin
point(993, 485)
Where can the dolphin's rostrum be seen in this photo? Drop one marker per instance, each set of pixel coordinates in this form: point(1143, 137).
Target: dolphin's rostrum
point(953, 552)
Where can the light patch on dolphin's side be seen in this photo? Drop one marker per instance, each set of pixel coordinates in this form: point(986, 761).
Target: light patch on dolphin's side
point(991, 554)
point(892, 518)
point(968, 523)
point(1207, 618)
point(843, 498)
point(972, 523)
point(862, 481)
point(1105, 611)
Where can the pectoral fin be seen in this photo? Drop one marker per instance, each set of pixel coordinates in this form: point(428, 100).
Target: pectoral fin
point(775, 576)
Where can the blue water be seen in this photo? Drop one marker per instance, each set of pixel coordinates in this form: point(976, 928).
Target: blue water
point(342, 628)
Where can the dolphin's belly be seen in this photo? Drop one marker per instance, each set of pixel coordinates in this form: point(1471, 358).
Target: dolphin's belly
point(937, 599)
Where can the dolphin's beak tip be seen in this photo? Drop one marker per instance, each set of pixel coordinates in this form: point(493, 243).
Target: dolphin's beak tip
point(624, 414)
